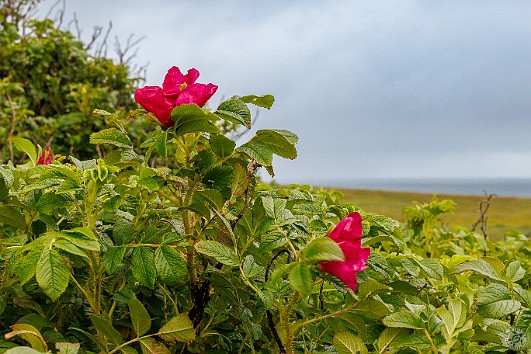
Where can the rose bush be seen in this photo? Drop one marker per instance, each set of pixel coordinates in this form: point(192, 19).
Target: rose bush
point(122, 255)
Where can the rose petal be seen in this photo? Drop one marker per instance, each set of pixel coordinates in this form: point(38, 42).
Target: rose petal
point(343, 271)
point(348, 229)
point(355, 258)
point(191, 76)
point(355, 255)
point(153, 100)
point(196, 93)
point(171, 87)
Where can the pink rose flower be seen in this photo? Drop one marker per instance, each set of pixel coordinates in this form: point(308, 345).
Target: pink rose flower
point(347, 234)
point(46, 157)
point(177, 89)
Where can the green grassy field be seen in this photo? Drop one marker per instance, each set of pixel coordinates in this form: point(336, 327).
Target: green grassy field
point(504, 212)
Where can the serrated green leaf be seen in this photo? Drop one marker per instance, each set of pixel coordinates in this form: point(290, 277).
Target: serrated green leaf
point(300, 278)
point(494, 301)
point(371, 308)
point(219, 251)
point(404, 319)
point(30, 334)
point(49, 202)
point(67, 186)
point(139, 317)
point(190, 118)
point(82, 242)
point(151, 346)
point(11, 216)
point(27, 147)
point(458, 310)
point(26, 266)
point(271, 241)
point(493, 292)
point(250, 267)
point(499, 308)
point(221, 145)
point(239, 182)
point(370, 287)
point(128, 350)
point(84, 231)
point(143, 266)
point(219, 178)
point(267, 298)
point(514, 271)
point(416, 340)
point(348, 343)
point(433, 268)
point(123, 231)
point(322, 249)
point(258, 151)
point(111, 136)
point(69, 247)
point(265, 101)
point(67, 348)
point(161, 144)
point(496, 264)
point(170, 265)
point(212, 197)
point(52, 273)
point(106, 328)
point(449, 324)
point(280, 142)
point(389, 337)
point(524, 294)
point(22, 350)
point(236, 111)
point(479, 266)
point(523, 323)
point(274, 207)
point(112, 258)
point(179, 328)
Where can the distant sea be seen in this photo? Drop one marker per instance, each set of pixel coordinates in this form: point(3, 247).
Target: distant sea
point(515, 187)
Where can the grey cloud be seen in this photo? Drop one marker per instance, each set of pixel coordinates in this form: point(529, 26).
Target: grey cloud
point(372, 88)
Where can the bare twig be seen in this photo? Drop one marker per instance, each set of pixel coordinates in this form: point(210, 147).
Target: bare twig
point(76, 25)
point(60, 13)
point(103, 45)
point(484, 206)
point(96, 33)
point(124, 56)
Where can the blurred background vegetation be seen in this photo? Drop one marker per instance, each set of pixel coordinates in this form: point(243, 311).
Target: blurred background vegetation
point(50, 82)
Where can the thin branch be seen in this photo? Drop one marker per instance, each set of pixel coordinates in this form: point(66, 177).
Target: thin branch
point(483, 209)
point(96, 33)
point(482, 221)
point(124, 56)
point(76, 25)
point(103, 44)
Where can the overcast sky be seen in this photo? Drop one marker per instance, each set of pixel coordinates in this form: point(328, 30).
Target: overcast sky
point(385, 89)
